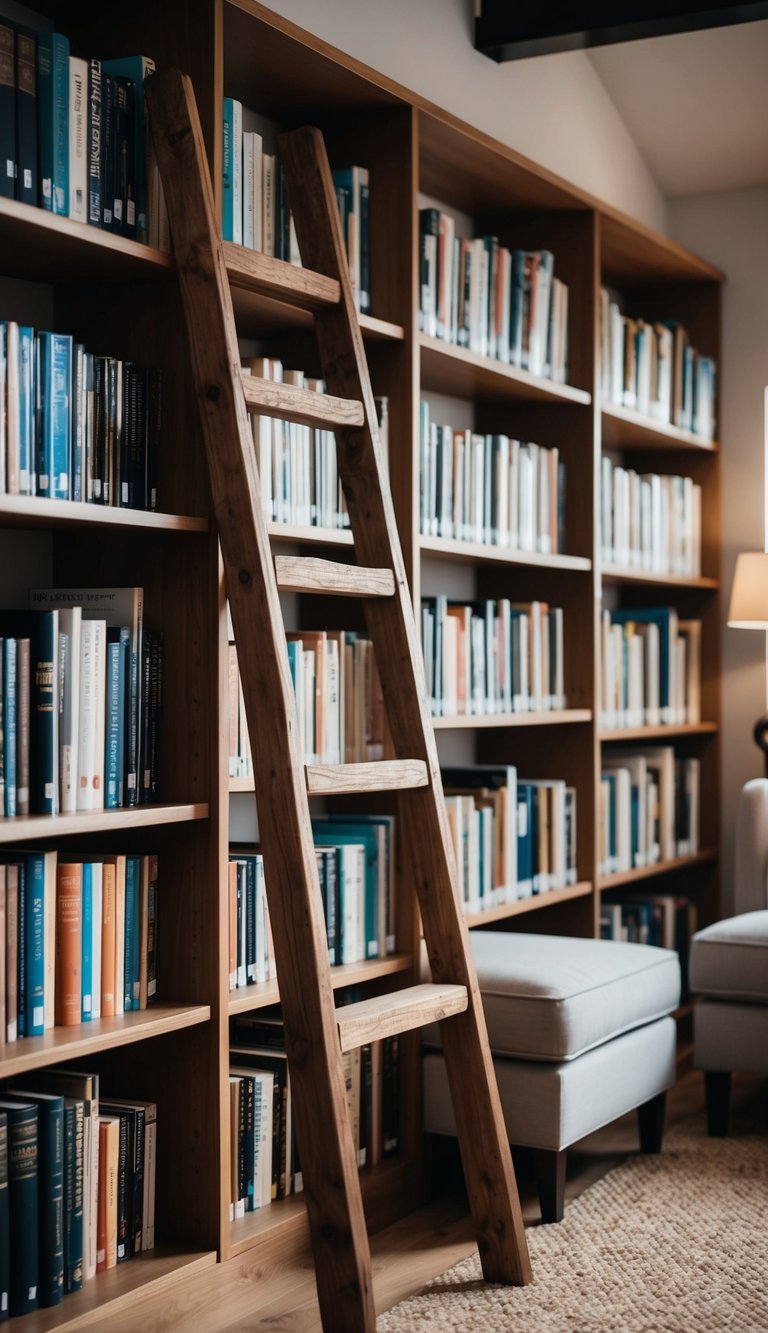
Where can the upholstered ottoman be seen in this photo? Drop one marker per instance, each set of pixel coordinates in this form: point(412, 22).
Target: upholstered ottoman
point(580, 1035)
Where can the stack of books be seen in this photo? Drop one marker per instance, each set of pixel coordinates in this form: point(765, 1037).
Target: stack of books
point(651, 668)
point(662, 919)
point(650, 367)
point(650, 522)
point(492, 656)
point(74, 137)
point(74, 426)
point(512, 838)
point(80, 702)
point(255, 204)
point(264, 1164)
point(79, 939)
point(506, 305)
point(490, 489)
point(80, 1172)
point(649, 808)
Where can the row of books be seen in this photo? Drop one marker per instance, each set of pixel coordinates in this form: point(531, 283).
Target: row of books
point(650, 522)
point(512, 838)
point(649, 808)
point(506, 305)
point(80, 700)
point(652, 368)
point(78, 939)
point(264, 1162)
point(662, 919)
point(651, 664)
point(256, 211)
point(492, 656)
point(355, 863)
point(74, 426)
point(79, 1170)
point(490, 489)
point(74, 136)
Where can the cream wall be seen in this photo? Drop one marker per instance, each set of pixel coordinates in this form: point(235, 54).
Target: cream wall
point(554, 109)
point(730, 228)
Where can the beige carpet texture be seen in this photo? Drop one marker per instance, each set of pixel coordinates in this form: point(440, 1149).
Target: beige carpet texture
point(677, 1242)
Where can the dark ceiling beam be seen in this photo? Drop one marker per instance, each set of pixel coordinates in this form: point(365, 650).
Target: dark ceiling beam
point(515, 30)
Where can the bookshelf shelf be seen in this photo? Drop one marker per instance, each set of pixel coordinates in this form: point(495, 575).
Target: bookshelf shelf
point(29, 511)
point(446, 368)
point(112, 1294)
point(247, 998)
point(623, 429)
point(556, 718)
point(23, 827)
point(551, 899)
point(294, 532)
point(42, 247)
point(472, 552)
point(615, 574)
point(71, 1043)
point(641, 873)
point(611, 735)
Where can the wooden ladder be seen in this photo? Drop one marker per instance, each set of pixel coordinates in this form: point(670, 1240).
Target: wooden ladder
point(316, 1032)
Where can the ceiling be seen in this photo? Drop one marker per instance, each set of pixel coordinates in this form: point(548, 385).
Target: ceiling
point(696, 105)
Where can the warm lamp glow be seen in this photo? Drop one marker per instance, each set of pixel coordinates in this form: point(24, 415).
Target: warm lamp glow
point(749, 595)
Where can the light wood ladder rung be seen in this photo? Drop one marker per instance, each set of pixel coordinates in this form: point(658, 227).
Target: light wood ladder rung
point(251, 271)
point(298, 573)
point(380, 775)
point(400, 1011)
point(267, 398)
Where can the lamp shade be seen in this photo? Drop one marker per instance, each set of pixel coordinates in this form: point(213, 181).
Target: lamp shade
point(749, 594)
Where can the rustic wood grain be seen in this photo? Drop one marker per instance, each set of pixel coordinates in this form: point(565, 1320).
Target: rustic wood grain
point(387, 1015)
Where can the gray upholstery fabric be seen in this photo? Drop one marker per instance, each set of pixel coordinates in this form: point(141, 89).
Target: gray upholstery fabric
point(552, 997)
point(731, 1037)
point(750, 891)
point(730, 958)
point(554, 1105)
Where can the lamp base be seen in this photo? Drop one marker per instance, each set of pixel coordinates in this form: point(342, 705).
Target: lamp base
point(760, 733)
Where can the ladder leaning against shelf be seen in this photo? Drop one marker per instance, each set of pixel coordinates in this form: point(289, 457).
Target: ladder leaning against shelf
point(316, 1033)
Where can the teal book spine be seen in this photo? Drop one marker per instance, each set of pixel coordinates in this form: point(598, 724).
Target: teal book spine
point(44, 452)
point(61, 417)
point(9, 708)
point(137, 69)
point(334, 831)
point(228, 171)
point(132, 933)
point(118, 640)
point(86, 967)
point(23, 1205)
point(34, 944)
point(26, 408)
point(73, 1195)
point(21, 984)
point(53, 124)
point(50, 1112)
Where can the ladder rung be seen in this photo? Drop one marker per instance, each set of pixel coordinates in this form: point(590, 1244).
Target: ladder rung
point(386, 1015)
point(307, 408)
point(297, 573)
point(252, 271)
point(382, 775)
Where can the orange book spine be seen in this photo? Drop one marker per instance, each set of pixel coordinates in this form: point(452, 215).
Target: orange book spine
point(101, 1208)
point(108, 942)
point(69, 944)
point(109, 1165)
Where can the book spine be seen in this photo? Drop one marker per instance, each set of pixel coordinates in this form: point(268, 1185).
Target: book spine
point(115, 724)
point(26, 116)
point(23, 1208)
point(137, 1202)
point(94, 143)
point(23, 658)
point(78, 139)
point(61, 417)
point(152, 929)
point(12, 952)
point(5, 1222)
point(51, 1202)
point(69, 932)
point(34, 945)
point(9, 708)
point(86, 978)
point(123, 1205)
point(8, 167)
point(132, 873)
point(107, 152)
point(53, 105)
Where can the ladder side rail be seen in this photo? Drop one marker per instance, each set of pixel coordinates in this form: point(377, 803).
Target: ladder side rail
point(331, 1184)
point(486, 1154)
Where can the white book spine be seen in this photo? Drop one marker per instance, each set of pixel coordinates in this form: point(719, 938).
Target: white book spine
point(97, 877)
point(78, 160)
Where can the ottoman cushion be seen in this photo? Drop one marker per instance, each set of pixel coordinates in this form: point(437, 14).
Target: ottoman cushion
point(730, 959)
point(552, 997)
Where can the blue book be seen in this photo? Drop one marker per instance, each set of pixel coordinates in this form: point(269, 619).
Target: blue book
point(60, 422)
point(86, 956)
point(50, 1161)
point(34, 947)
point(22, 956)
point(25, 460)
point(42, 630)
point(335, 832)
point(137, 69)
point(53, 120)
point(9, 709)
point(232, 213)
point(524, 840)
point(118, 646)
point(132, 932)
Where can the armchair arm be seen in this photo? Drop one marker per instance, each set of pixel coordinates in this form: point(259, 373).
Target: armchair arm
point(751, 870)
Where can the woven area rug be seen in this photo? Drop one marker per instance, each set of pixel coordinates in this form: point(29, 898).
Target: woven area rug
point(677, 1242)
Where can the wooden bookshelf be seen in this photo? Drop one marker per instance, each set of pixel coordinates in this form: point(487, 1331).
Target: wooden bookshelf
point(659, 868)
point(177, 1054)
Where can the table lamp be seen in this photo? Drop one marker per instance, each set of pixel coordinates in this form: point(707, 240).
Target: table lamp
point(749, 610)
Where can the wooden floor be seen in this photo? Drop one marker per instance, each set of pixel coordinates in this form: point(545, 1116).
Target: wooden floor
point(274, 1294)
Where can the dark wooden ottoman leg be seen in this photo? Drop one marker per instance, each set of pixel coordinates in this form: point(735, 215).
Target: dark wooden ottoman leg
point(650, 1119)
point(549, 1167)
point(718, 1090)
